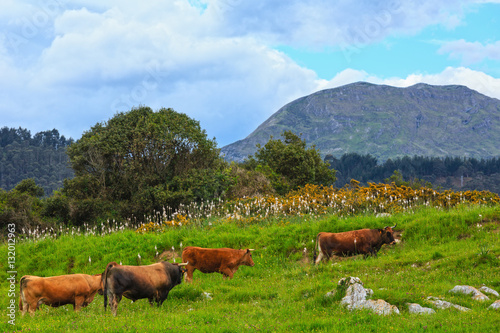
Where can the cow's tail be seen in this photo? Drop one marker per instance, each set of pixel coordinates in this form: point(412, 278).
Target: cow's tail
point(104, 278)
point(314, 250)
point(22, 298)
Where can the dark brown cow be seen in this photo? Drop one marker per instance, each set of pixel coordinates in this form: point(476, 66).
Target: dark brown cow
point(153, 282)
point(364, 241)
point(225, 261)
point(76, 289)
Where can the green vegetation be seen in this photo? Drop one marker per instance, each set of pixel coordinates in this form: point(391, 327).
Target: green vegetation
point(141, 161)
point(455, 173)
point(288, 163)
point(284, 292)
point(41, 157)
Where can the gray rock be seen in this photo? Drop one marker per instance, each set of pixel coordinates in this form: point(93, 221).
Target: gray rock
point(495, 305)
point(489, 291)
point(356, 298)
point(467, 290)
point(349, 281)
point(417, 308)
point(440, 304)
point(380, 307)
point(330, 293)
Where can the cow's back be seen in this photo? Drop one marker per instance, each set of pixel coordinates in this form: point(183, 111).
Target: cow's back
point(205, 260)
point(344, 243)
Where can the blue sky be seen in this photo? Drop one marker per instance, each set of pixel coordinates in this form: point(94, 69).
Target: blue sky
point(229, 64)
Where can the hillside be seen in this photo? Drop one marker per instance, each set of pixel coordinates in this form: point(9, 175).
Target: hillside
point(386, 122)
point(283, 291)
point(41, 157)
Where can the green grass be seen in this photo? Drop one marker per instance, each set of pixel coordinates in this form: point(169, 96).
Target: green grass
point(284, 292)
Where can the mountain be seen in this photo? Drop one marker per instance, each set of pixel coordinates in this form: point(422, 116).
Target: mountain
point(386, 122)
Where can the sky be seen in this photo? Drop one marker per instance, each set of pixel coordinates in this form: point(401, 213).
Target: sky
point(229, 64)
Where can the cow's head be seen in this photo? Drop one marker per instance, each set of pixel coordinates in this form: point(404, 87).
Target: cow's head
point(388, 235)
point(182, 270)
point(247, 258)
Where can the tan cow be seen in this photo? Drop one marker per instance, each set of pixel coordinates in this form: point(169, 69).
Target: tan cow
point(76, 289)
point(225, 261)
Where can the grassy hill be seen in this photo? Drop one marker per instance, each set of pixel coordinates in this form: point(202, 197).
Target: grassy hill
point(386, 122)
point(283, 292)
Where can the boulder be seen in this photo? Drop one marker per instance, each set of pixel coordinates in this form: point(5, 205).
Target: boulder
point(380, 307)
point(440, 304)
point(489, 291)
point(356, 298)
point(467, 290)
point(495, 305)
point(417, 308)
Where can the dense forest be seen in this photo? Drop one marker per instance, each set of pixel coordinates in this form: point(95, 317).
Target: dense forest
point(41, 157)
point(448, 173)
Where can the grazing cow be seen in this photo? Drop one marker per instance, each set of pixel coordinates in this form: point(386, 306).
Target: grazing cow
point(76, 289)
point(225, 261)
point(153, 282)
point(364, 241)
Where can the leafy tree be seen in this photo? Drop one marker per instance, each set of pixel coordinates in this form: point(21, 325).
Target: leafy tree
point(290, 164)
point(144, 161)
point(30, 187)
point(21, 205)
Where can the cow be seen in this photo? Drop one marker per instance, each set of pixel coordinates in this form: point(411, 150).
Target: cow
point(225, 261)
point(76, 289)
point(153, 282)
point(363, 241)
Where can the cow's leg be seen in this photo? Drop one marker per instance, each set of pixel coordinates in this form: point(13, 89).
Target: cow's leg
point(79, 300)
point(32, 307)
point(189, 273)
point(22, 308)
point(320, 256)
point(227, 273)
point(113, 303)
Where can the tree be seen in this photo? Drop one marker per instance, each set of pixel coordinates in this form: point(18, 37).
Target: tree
point(290, 164)
point(144, 161)
point(30, 187)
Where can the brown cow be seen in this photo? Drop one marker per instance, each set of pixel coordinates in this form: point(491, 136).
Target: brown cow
point(76, 289)
point(225, 261)
point(153, 282)
point(364, 241)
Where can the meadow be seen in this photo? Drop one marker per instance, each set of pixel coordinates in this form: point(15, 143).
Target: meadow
point(446, 240)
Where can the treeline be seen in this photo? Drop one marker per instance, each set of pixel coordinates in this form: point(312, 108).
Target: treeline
point(454, 173)
point(144, 165)
point(41, 157)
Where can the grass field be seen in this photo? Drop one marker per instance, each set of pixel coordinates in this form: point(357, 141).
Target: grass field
point(284, 291)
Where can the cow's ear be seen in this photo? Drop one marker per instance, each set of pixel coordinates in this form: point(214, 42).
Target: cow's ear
point(380, 230)
point(248, 250)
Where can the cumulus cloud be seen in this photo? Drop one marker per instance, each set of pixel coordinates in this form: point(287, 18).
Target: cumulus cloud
point(70, 65)
point(471, 52)
point(476, 80)
point(324, 22)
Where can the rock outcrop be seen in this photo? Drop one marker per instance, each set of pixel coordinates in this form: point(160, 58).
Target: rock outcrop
point(417, 308)
point(467, 290)
point(356, 297)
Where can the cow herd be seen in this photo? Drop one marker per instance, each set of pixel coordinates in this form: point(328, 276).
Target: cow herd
point(155, 281)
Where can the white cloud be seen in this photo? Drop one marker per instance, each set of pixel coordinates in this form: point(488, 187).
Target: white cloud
point(324, 22)
point(79, 62)
point(479, 81)
point(471, 52)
